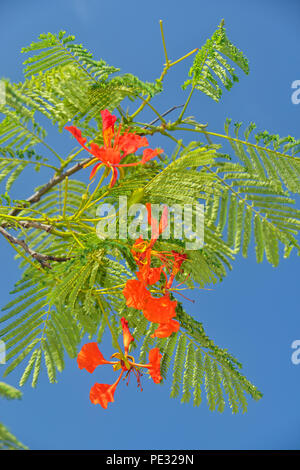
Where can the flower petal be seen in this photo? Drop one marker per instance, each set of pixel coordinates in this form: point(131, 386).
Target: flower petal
point(159, 310)
point(114, 177)
point(135, 294)
point(154, 365)
point(149, 275)
point(95, 169)
point(77, 134)
point(90, 357)
point(102, 394)
point(130, 143)
point(127, 336)
point(108, 126)
point(148, 154)
point(108, 120)
point(166, 329)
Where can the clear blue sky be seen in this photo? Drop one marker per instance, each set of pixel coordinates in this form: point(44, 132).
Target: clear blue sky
point(255, 311)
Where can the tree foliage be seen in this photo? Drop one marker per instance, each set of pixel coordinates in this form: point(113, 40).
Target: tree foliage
point(249, 199)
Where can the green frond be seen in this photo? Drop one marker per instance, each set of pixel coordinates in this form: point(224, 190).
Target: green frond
point(7, 440)
point(211, 70)
point(9, 392)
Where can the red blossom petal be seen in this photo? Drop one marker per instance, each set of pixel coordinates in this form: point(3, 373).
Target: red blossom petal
point(130, 143)
point(114, 177)
point(90, 357)
point(179, 258)
point(135, 294)
point(148, 154)
point(108, 120)
point(159, 310)
point(108, 127)
point(166, 329)
point(77, 134)
point(102, 394)
point(149, 275)
point(154, 365)
point(95, 169)
point(109, 156)
point(127, 336)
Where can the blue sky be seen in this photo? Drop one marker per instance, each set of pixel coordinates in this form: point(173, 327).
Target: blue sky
point(254, 312)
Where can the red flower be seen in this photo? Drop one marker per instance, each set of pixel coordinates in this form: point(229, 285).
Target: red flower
point(127, 336)
point(111, 154)
point(166, 329)
point(154, 365)
point(135, 294)
point(149, 275)
point(179, 258)
point(102, 394)
point(90, 357)
point(159, 310)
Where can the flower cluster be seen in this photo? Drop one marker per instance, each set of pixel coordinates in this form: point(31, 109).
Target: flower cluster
point(116, 147)
point(91, 357)
point(159, 310)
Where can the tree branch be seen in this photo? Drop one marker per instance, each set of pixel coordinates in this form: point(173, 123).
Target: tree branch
point(42, 259)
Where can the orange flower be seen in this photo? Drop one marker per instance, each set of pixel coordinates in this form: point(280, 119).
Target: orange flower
point(179, 258)
point(90, 357)
point(149, 275)
point(127, 336)
point(111, 154)
point(135, 294)
point(166, 329)
point(154, 365)
point(102, 394)
point(160, 309)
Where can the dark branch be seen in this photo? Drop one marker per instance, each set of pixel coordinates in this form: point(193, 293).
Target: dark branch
point(163, 115)
point(42, 259)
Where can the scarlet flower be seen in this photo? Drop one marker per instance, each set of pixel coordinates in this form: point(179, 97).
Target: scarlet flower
point(102, 394)
point(154, 365)
point(179, 258)
point(159, 309)
point(127, 336)
point(166, 329)
point(111, 154)
point(142, 249)
point(135, 294)
point(90, 357)
point(149, 275)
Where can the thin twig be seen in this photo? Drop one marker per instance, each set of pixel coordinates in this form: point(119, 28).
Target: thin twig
point(163, 115)
point(42, 259)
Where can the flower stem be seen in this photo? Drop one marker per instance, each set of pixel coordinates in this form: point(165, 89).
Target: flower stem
point(112, 331)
